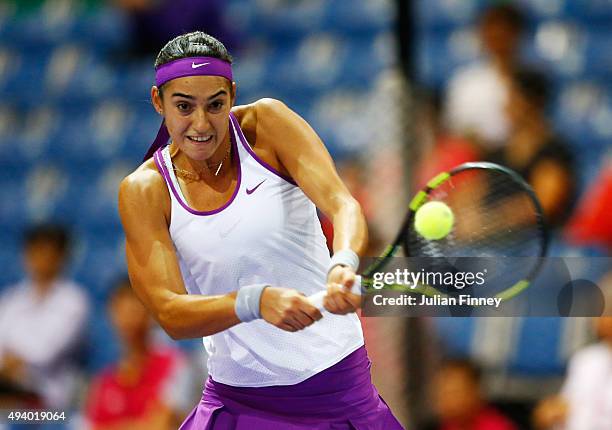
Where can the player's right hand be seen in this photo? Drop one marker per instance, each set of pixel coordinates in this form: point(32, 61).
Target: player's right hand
point(287, 309)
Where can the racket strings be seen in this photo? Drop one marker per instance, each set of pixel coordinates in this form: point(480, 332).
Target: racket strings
point(494, 216)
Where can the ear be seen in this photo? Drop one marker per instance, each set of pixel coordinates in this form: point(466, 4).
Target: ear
point(233, 95)
point(156, 100)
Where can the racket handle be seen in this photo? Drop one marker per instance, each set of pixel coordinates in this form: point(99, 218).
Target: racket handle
point(317, 298)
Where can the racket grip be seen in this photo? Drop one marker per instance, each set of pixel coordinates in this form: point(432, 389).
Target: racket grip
point(317, 298)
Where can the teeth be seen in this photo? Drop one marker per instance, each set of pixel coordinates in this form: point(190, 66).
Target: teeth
point(200, 139)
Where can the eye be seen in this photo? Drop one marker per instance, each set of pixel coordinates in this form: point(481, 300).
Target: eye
point(183, 107)
point(216, 106)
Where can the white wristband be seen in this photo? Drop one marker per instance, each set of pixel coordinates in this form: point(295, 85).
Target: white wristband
point(344, 257)
point(247, 302)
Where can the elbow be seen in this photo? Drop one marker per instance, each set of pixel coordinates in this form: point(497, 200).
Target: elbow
point(169, 324)
point(172, 331)
point(166, 318)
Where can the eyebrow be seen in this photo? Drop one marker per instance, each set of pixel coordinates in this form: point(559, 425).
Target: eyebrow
point(187, 96)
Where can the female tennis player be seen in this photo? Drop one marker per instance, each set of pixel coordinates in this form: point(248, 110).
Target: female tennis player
point(223, 242)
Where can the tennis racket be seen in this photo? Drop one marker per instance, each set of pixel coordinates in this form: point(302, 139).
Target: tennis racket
point(496, 215)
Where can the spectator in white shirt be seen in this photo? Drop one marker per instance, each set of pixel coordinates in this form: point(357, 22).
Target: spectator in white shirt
point(41, 322)
point(477, 93)
point(585, 401)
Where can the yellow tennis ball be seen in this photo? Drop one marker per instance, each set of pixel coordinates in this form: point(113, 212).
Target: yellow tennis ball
point(434, 220)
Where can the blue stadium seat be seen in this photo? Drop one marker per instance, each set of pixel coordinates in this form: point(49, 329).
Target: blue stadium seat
point(289, 20)
point(599, 43)
point(538, 10)
point(456, 335)
point(359, 16)
point(243, 16)
point(102, 347)
point(538, 351)
point(313, 65)
point(101, 261)
point(367, 57)
point(9, 126)
point(39, 135)
point(25, 77)
point(251, 69)
point(97, 194)
point(106, 30)
point(44, 27)
point(10, 254)
point(443, 14)
point(589, 12)
point(139, 135)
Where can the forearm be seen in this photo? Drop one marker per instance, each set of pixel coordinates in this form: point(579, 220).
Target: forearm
point(185, 316)
point(350, 228)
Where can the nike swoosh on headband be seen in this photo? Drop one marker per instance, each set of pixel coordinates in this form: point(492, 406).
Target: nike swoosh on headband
point(195, 66)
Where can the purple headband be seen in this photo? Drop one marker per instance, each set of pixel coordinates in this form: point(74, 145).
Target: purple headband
point(191, 66)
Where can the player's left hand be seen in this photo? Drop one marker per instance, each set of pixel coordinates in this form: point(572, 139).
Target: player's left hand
point(339, 299)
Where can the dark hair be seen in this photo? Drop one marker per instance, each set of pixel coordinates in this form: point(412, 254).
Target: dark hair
point(471, 369)
point(533, 85)
point(505, 13)
point(196, 44)
point(49, 233)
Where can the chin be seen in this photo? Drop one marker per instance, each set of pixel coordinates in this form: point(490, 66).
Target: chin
point(195, 153)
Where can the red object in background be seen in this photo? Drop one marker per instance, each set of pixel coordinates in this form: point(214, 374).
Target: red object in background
point(328, 231)
point(591, 223)
point(449, 152)
point(112, 401)
point(487, 419)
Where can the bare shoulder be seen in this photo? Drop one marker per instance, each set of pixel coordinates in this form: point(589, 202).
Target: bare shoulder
point(144, 189)
point(271, 112)
point(270, 127)
point(258, 117)
point(144, 180)
point(262, 106)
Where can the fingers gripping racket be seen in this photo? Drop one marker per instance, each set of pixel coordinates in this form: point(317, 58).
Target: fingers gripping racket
point(496, 215)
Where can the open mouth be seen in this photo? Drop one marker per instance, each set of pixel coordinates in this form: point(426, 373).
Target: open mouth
point(200, 139)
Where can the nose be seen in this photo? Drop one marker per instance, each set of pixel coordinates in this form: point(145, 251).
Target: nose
point(200, 121)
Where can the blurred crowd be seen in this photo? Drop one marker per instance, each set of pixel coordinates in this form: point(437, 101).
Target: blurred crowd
point(44, 324)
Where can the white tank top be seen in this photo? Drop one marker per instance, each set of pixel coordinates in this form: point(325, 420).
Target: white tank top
point(268, 232)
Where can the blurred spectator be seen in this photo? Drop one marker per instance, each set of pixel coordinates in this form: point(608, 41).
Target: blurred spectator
point(154, 22)
point(585, 402)
point(533, 148)
point(591, 224)
point(477, 93)
point(458, 400)
point(150, 386)
point(442, 149)
point(41, 321)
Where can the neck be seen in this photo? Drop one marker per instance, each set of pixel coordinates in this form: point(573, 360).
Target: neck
point(535, 130)
point(504, 65)
point(133, 354)
point(137, 349)
point(130, 366)
point(42, 286)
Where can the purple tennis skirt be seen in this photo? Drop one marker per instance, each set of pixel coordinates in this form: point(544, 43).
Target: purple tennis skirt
point(339, 398)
